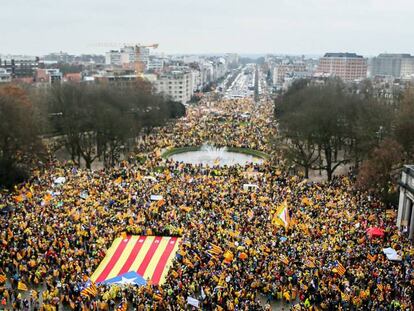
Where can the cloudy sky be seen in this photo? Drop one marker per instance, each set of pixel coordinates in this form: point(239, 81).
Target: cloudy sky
point(367, 27)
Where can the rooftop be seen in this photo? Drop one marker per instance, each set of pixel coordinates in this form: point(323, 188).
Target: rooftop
point(345, 55)
point(395, 55)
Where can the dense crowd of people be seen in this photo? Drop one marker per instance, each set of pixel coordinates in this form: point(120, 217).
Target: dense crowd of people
point(56, 229)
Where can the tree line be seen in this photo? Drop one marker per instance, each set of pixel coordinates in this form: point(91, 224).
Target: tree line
point(325, 126)
point(88, 121)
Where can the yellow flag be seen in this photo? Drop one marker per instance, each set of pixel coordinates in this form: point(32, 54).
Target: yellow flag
point(228, 256)
point(306, 201)
point(22, 286)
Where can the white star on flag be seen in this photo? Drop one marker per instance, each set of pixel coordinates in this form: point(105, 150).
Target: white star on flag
point(127, 281)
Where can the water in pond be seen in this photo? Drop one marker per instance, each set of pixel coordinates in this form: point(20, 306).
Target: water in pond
point(210, 155)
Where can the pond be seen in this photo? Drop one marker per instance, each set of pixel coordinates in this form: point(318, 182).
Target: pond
point(211, 156)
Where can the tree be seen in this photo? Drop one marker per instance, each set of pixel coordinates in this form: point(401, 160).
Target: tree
point(380, 172)
point(312, 118)
point(114, 124)
point(404, 124)
point(329, 125)
point(19, 144)
point(70, 117)
point(101, 120)
point(368, 122)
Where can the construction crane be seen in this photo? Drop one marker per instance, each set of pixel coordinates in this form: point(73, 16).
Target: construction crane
point(139, 65)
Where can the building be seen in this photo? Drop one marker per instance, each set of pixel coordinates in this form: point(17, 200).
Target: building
point(176, 84)
point(281, 71)
point(155, 64)
point(196, 80)
point(232, 59)
point(405, 218)
point(407, 67)
point(144, 54)
point(20, 66)
point(394, 65)
point(220, 68)
point(4, 76)
point(75, 77)
point(347, 66)
point(206, 72)
point(113, 58)
point(126, 57)
point(50, 76)
point(60, 57)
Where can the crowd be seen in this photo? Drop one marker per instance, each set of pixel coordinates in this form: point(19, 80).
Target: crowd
point(56, 228)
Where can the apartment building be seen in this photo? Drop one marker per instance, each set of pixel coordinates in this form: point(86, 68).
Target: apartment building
point(113, 58)
point(176, 84)
point(49, 76)
point(281, 71)
point(394, 65)
point(155, 64)
point(347, 66)
point(126, 57)
point(20, 66)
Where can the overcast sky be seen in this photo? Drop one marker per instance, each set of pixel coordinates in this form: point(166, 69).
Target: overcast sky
point(367, 27)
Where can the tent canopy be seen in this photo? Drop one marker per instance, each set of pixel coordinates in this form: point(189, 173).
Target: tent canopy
point(375, 232)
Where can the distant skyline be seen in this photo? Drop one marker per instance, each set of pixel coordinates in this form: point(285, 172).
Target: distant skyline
point(366, 27)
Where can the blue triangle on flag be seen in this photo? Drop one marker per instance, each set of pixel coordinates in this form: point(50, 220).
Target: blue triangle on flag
point(130, 277)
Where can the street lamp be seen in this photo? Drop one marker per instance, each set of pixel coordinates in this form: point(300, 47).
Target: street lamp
point(380, 133)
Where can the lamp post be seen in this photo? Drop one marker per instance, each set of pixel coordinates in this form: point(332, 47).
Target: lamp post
point(380, 133)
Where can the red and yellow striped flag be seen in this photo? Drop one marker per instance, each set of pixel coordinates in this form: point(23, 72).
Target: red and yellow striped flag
point(123, 306)
point(148, 256)
point(3, 278)
point(90, 290)
point(309, 263)
point(284, 259)
point(215, 250)
point(371, 258)
point(340, 268)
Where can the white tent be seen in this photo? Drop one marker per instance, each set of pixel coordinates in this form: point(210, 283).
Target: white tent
point(391, 254)
point(194, 302)
point(247, 187)
point(156, 197)
point(150, 178)
point(60, 180)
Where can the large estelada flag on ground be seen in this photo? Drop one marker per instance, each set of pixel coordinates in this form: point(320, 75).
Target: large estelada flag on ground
point(135, 259)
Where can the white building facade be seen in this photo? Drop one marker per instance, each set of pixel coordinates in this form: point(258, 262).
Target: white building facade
point(113, 58)
point(155, 64)
point(405, 218)
point(126, 56)
point(176, 84)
